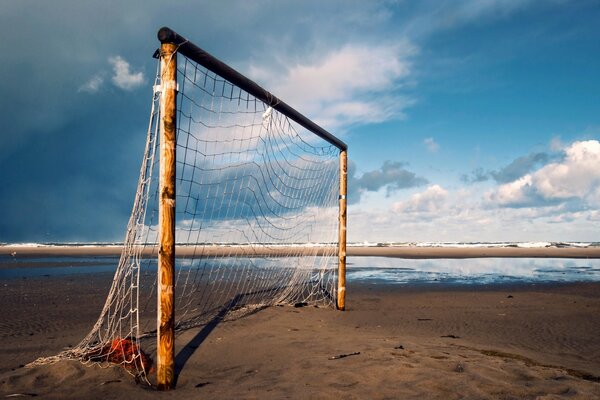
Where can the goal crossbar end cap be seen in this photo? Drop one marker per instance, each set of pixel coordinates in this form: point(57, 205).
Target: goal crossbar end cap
point(167, 35)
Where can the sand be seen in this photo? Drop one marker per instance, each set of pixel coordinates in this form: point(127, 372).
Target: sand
point(401, 342)
point(402, 252)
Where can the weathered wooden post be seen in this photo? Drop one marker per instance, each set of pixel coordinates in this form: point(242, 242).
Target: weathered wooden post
point(341, 295)
point(165, 372)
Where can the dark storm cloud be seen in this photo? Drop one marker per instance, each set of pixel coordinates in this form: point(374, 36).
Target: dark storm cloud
point(77, 183)
point(70, 149)
point(69, 158)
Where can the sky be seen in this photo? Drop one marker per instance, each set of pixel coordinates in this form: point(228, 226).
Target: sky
point(465, 120)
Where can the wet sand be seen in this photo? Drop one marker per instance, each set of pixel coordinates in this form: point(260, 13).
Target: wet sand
point(408, 342)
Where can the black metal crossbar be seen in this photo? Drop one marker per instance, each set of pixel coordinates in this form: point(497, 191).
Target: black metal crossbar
point(196, 54)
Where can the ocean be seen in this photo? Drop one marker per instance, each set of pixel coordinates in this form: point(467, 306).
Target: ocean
point(366, 269)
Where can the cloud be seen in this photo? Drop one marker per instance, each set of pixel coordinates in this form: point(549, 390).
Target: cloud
point(469, 10)
point(477, 175)
point(440, 214)
point(438, 16)
point(520, 166)
point(431, 145)
point(555, 201)
point(81, 207)
point(518, 193)
point(556, 144)
point(576, 178)
point(431, 200)
point(391, 175)
point(513, 171)
point(93, 85)
point(352, 84)
point(123, 77)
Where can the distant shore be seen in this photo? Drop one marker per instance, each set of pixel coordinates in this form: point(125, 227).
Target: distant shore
point(414, 252)
point(476, 252)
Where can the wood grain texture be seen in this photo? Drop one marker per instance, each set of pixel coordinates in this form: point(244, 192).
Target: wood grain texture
point(165, 372)
point(341, 295)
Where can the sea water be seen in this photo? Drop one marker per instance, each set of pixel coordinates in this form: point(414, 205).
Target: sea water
point(472, 270)
point(360, 269)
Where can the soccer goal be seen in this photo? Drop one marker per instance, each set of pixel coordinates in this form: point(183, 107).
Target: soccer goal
point(241, 203)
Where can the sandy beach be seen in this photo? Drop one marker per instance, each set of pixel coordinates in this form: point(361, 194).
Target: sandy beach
point(415, 252)
point(532, 341)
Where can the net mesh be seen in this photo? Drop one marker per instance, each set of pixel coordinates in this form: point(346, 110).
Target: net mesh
point(256, 220)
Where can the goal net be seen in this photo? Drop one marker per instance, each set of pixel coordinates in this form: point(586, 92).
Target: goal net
point(256, 215)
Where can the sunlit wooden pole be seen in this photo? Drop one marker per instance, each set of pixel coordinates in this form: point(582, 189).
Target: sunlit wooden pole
point(341, 294)
point(165, 372)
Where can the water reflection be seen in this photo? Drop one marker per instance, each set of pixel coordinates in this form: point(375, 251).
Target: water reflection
point(473, 270)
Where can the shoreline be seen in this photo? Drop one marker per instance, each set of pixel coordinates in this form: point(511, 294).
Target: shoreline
point(285, 251)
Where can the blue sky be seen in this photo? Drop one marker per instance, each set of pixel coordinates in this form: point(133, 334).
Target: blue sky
point(465, 120)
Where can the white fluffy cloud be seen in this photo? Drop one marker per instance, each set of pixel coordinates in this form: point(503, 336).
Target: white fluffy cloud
point(431, 200)
point(558, 201)
point(352, 84)
point(123, 77)
point(447, 215)
point(514, 193)
point(577, 177)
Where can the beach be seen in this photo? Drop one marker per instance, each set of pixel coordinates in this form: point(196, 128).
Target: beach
point(409, 252)
point(427, 341)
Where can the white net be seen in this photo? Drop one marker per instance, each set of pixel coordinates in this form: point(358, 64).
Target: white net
point(256, 220)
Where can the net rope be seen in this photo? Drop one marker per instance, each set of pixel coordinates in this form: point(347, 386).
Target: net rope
point(256, 221)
